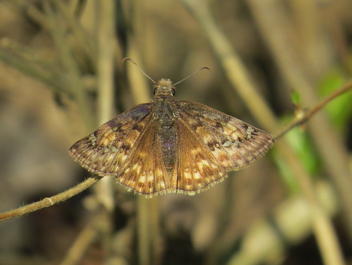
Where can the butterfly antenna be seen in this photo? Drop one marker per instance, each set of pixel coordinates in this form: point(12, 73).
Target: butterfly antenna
point(132, 61)
point(203, 67)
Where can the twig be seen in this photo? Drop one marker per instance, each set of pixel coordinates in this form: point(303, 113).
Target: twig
point(304, 116)
point(49, 201)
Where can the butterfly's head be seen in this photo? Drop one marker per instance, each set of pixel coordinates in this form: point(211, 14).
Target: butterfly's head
point(164, 88)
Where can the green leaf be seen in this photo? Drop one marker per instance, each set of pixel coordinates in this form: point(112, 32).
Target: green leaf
point(296, 97)
point(339, 109)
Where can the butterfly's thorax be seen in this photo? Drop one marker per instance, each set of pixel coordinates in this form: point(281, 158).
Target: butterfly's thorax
point(164, 109)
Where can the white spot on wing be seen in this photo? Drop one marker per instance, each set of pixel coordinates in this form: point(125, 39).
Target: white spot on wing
point(197, 175)
point(226, 144)
point(249, 132)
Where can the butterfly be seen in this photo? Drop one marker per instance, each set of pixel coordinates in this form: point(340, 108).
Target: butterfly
point(170, 146)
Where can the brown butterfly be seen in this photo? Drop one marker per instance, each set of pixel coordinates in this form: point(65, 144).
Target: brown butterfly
point(170, 146)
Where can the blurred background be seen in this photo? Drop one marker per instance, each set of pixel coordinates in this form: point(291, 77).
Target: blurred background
point(61, 76)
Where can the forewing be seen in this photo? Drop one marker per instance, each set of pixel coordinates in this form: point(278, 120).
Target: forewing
point(196, 168)
point(146, 173)
point(107, 150)
point(234, 143)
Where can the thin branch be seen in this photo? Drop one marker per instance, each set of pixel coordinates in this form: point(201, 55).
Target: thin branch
point(49, 201)
point(304, 116)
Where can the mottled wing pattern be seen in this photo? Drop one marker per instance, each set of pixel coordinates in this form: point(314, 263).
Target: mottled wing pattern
point(106, 151)
point(146, 172)
point(234, 143)
point(196, 168)
point(196, 152)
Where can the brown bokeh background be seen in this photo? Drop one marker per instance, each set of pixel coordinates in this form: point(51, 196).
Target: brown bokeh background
point(61, 76)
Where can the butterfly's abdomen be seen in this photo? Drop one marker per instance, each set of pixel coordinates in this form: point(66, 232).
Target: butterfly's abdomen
point(167, 137)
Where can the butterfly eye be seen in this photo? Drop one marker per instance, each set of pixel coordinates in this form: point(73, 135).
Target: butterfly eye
point(154, 91)
point(173, 92)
